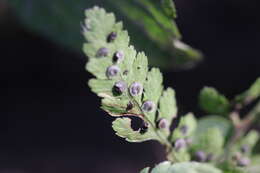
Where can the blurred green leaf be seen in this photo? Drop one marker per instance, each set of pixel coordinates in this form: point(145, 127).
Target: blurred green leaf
point(256, 160)
point(251, 94)
point(210, 141)
point(186, 127)
point(211, 101)
point(221, 123)
point(185, 167)
point(60, 21)
point(169, 8)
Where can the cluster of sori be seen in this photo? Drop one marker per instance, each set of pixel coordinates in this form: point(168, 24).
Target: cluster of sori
point(121, 86)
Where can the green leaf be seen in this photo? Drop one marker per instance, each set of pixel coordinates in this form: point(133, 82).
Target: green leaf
point(123, 128)
point(255, 160)
point(186, 127)
point(250, 140)
point(153, 89)
point(210, 141)
point(145, 170)
point(211, 101)
point(169, 8)
point(168, 108)
point(212, 121)
point(250, 94)
point(185, 167)
point(131, 69)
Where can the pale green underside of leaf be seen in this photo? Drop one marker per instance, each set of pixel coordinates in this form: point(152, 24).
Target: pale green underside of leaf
point(185, 167)
point(211, 101)
point(98, 25)
point(169, 8)
point(123, 128)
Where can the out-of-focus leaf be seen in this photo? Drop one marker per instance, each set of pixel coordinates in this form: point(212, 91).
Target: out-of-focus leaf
point(255, 160)
point(162, 30)
point(211, 101)
point(251, 94)
point(214, 121)
point(249, 141)
point(186, 127)
point(145, 170)
point(210, 141)
point(185, 167)
point(169, 8)
point(253, 169)
point(60, 21)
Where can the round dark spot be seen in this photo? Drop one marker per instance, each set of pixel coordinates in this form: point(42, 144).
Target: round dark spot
point(111, 37)
point(125, 72)
point(112, 71)
point(102, 52)
point(162, 124)
point(136, 89)
point(245, 149)
point(130, 106)
point(243, 161)
point(118, 56)
point(210, 157)
point(120, 87)
point(179, 144)
point(148, 106)
point(144, 127)
point(200, 156)
point(184, 129)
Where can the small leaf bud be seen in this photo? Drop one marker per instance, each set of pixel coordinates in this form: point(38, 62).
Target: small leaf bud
point(102, 52)
point(200, 156)
point(243, 161)
point(136, 89)
point(118, 56)
point(112, 71)
point(148, 106)
point(120, 87)
point(162, 124)
point(179, 144)
point(111, 37)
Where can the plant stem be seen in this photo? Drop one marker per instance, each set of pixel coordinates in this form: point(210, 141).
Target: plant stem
point(241, 126)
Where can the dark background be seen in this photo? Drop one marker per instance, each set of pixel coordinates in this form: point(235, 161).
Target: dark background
point(50, 121)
